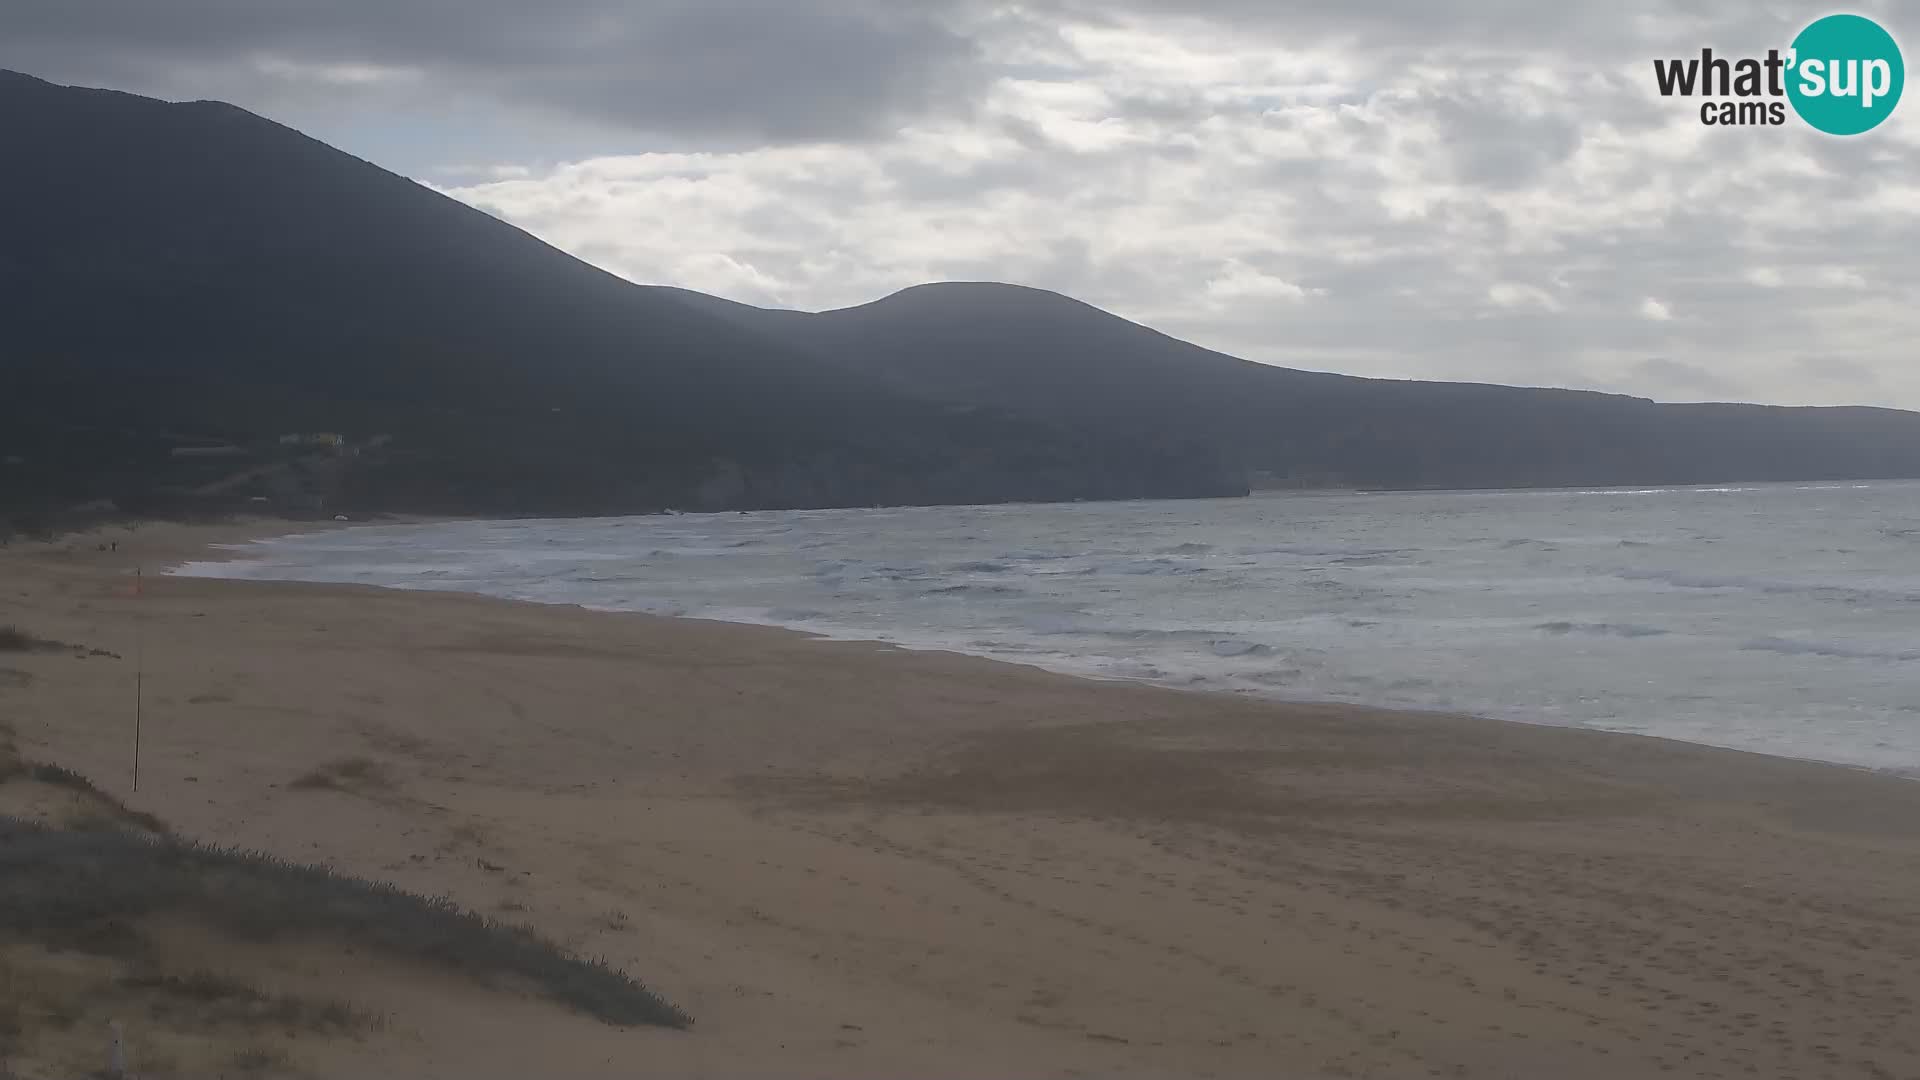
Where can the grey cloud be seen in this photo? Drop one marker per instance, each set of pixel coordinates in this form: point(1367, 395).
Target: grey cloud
point(1392, 28)
point(1835, 369)
point(754, 69)
point(1497, 146)
point(1680, 377)
point(777, 69)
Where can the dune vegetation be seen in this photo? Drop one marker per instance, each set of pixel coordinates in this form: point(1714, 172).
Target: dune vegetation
point(104, 914)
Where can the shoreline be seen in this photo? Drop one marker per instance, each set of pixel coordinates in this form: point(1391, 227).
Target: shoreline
point(1062, 671)
point(858, 862)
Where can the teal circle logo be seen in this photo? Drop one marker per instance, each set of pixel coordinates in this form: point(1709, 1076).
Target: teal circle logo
point(1846, 74)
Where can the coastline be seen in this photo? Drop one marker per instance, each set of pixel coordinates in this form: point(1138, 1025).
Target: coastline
point(209, 556)
point(850, 859)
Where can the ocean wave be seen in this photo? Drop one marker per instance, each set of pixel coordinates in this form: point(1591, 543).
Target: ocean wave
point(1221, 643)
point(1230, 647)
point(1135, 670)
point(973, 590)
point(588, 577)
point(1048, 625)
point(1314, 551)
point(794, 615)
point(1359, 560)
point(1702, 581)
point(995, 645)
point(640, 607)
point(980, 568)
point(1789, 647)
point(1184, 549)
point(834, 570)
point(1769, 586)
point(1144, 567)
point(1626, 630)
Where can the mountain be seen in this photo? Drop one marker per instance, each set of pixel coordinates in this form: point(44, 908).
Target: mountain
point(201, 305)
point(1045, 355)
point(202, 308)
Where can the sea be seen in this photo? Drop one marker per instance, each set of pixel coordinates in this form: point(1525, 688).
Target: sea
point(1777, 618)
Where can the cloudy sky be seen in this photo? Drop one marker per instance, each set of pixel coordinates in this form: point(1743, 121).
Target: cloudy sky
point(1461, 189)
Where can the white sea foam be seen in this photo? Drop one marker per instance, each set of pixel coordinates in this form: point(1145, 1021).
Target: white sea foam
point(1778, 618)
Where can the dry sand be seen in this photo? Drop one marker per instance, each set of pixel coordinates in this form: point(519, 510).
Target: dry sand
point(851, 861)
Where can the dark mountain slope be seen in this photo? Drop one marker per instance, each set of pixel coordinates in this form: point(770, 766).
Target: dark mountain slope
point(1049, 356)
point(187, 280)
point(191, 272)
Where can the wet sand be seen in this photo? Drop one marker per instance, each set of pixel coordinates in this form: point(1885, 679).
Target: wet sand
point(853, 861)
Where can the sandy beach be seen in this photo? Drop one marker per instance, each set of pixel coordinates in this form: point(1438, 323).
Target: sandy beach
point(851, 861)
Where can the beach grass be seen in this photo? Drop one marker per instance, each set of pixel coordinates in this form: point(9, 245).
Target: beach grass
point(104, 810)
point(14, 639)
point(88, 890)
point(210, 996)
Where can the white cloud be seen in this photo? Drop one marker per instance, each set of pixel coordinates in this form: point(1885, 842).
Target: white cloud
point(346, 75)
point(1239, 282)
point(1655, 310)
point(1838, 277)
point(1509, 294)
